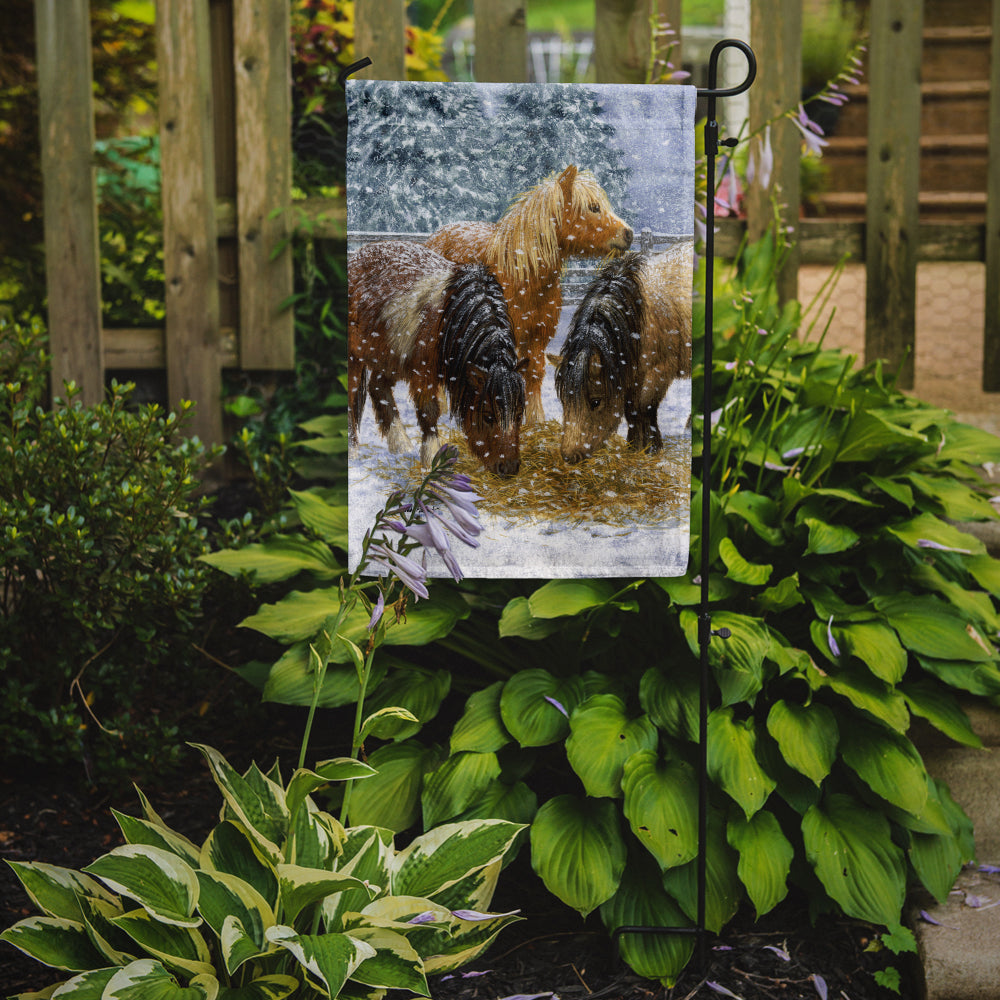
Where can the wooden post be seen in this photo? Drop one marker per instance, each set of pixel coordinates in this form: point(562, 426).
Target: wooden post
point(893, 183)
point(72, 256)
point(501, 41)
point(190, 254)
point(776, 35)
point(261, 40)
point(380, 34)
point(991, 333)
point(621, 40)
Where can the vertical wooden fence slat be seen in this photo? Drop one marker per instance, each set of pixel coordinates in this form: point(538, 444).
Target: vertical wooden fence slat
point(190, 254)
point(621, 40)
point(891, 241)
point(501, 41)
point(261, 57)
point(380, 34)
point(72, 257)
point(991, 332)
point(670, 11)
point(776, 36)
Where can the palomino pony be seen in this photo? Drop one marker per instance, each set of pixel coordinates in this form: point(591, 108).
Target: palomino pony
point(414, 315)
point(567, 215)
point(629, 339)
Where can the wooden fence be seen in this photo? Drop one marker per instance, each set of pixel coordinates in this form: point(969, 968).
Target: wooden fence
point(226, 161)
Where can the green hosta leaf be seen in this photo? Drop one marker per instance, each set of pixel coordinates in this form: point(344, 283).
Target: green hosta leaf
point(528, 714)
point(671, 699)
point(807, 736)
point(732, 760)
point(865, 692)
point(957, 501)
point(751, 574)
point(274, 987)
point(976, 605)
point(602, 738)
point(661, 798)
point(578, 851)
point(986, 571)
point(723, 889)
point(441, 857)
point(279, 558)
point(180, 948)
point(391, 798)
point(330, 959)
point(260, 809)
point(976, 678)
point(850, 848)
point(159, 881)
point(292, 681)
point(941, 709)
point(54, 941)
point(225, 897)
point(876, 646)
point(56, 891)
point(456, 784)
point(386, 723)
point(301, 887)
point(765, 858)
point(481, 728)
point(147, 979)
point(515, 803)
point(230, 849)
point(641, 901)
point(931, 628)
point(758, 511)
point(683, 592)
point(928, 528)
point(327, 520)
point(893, 488)
point(827, 539)
point(937, 859)
point(141, 831)
point(395, 964)
point(738, 661)
point(417, 690)
point(964, 443)
point(888, 763)
point(517, 620)
point(559, 598)
point(870, 436)
point(783, 595)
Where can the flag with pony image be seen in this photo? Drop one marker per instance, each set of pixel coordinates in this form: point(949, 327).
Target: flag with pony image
point(520, 266)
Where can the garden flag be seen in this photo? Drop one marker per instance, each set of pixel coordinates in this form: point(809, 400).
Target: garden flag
point(520, 269)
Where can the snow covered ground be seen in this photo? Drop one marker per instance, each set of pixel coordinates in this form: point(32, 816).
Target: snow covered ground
point(546, 549)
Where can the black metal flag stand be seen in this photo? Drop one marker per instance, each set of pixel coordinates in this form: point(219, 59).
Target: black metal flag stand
point(705, 631)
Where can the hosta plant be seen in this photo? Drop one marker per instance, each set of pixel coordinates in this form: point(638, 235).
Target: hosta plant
point(279, 900)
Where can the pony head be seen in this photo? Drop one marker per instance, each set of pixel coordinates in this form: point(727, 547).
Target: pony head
point(567, 214)
point(484, 379)
point(600, 359)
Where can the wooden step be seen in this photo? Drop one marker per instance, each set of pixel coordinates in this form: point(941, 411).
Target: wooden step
point(956, 53)
point(957, 206)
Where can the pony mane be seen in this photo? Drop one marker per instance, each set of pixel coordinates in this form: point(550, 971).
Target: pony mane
point(475, 330)
point(525, 242)
point(607, 322)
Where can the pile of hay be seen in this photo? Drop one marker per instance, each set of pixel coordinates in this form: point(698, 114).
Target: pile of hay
point(616, 486)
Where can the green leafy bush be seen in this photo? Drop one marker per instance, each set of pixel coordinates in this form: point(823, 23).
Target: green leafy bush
point(99, 540)
point(280, 899)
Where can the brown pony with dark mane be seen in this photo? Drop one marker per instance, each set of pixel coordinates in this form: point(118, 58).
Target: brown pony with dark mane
point(567, 215)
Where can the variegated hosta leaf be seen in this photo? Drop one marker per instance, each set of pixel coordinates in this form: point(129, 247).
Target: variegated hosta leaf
point(661, 800)
point(274, 987)
point(256, 801)
point(116, 946)
point(304, 782)
point(578, 851)
point(56, 891)
point(602, 737)
point(225, 897)
point(850, 847)
point(177, 947)
point(732, 760)
point(328, 959)
point(54, 941)
point(807, 736)
point(467, 940)
point(395, 964)
point(642, 902)
point(86, 986)
point(158, 880)
point(476, 890)
point(230, 849)
point(765, 858)
point(300, 887)
point(481, 727)
point(147, 979)
point(367, 853)
point(141, 831)
point(315, 838)
point(441, 857)
point(456, 784)
point(535, 706)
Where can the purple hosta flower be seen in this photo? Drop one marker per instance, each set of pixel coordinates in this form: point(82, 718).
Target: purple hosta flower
point(989, 869)
point(377, 612)
point(719, 988)
point(927, 543)
point(811, 132)
point(820, 983)
point(760, 166)
point(834, 648)
point(728, 195)
point(475, 915)
point(552, 701)
point(461, 504)
point(927, 918)
point(465, 975)
point(531, 996)
point(431, 535)
point(780, 952)
point(792, 453)
point(411, 574)
point(427, 917)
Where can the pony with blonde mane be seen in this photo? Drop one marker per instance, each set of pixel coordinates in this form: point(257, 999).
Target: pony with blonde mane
point(566, 215)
